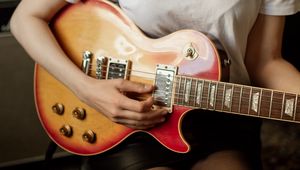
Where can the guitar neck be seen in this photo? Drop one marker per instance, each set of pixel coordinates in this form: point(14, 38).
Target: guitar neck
point(237, 99)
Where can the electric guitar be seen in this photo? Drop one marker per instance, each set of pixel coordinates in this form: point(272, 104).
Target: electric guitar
point(189, 72)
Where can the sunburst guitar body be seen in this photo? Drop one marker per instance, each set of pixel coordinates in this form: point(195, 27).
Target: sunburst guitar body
point(185, 66)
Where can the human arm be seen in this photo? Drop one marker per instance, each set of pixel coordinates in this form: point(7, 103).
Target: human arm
point(264, 62)
point(29, 24)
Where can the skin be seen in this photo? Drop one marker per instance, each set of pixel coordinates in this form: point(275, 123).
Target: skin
point(31, 20)
point(263, 60)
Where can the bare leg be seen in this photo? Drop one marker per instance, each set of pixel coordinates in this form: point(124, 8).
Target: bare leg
point(223, 160)
point(160, 168)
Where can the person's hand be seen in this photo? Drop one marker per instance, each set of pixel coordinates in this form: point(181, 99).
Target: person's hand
point(107, 97)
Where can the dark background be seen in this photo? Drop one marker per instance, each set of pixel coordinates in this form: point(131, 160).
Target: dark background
point(23, 143)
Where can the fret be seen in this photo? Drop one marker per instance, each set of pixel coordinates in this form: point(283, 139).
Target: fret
point(205, 95)
point(297, 115)
point(250, 97)
point(185, 97)
point(241, 94)
point(255, 101)
point(201, 96)
point(276, 105)
point(282, 106)
point(208, 94)
point(220, 96)
point(223, 97)
point(180, 92)
point(245, 100)
point(231, 96)
point(271, 101)
point(289, 106)
point(236, 90)
point(295, 110)
point(216, 92)
point(265, 104)
point(194, 85)
point(259, 103)
point(194, 92)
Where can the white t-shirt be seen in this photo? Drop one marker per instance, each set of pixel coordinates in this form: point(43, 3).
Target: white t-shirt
point(230, 21)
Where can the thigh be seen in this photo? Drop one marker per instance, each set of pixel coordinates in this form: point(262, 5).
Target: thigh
point(138, 156)
point(224, 160)
point(209, 133)
point(222, 136)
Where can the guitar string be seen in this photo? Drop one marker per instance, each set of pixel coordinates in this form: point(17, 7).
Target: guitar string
point(206, 96)
point(276, 111)
point(205, 99)
point(198, 79)
point(206, 87)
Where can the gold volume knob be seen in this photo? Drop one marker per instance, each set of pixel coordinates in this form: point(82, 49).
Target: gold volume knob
point(89, 136)
point(79, 113)
point(66, 130)
point(58, 108)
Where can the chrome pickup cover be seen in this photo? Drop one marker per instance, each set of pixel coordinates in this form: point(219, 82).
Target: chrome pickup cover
point(164, 81)
point(117, 68)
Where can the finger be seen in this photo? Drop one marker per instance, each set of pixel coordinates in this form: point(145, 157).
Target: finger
point(139, 124)
point(153, 116)
point(127, 103)
point(130, 86)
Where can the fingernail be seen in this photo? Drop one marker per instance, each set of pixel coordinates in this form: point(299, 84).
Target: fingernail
point(146, 86)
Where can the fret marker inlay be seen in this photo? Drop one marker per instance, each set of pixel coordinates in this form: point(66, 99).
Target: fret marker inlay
point(289, 107)
point(212, 95)
point(199, 92)
point(187, 90)
point(255, 98)
point(227, 101)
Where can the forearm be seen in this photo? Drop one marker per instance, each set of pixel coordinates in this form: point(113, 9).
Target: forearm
point(263, 59)
point(277, 74)
point(34, 35)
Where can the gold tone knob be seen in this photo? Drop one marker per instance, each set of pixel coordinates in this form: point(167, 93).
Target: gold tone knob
point(89, 136)
point(66, 130)
point(58, 108)
point(79, 113)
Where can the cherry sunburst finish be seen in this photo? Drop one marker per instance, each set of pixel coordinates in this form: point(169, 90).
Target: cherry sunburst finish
point(185, 66)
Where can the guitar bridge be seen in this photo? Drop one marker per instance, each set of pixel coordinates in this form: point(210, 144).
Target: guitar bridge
point(101, 66)
point(86, 62)
point(164, 80)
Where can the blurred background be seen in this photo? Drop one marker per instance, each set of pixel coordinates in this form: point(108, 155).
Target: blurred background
point(23, 143)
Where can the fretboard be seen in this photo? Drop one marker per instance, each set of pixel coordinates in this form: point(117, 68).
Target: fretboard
point(237, 99)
